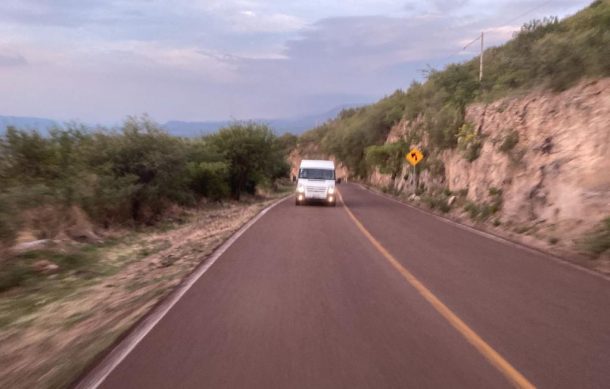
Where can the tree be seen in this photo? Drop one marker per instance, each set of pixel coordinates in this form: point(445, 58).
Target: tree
point(147, 159)
point(251, 152)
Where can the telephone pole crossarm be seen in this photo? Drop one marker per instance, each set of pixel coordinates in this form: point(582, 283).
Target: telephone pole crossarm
point(481, 60)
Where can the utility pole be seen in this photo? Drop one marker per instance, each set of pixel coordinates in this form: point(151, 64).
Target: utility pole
point(481, 60)
point(480, 37)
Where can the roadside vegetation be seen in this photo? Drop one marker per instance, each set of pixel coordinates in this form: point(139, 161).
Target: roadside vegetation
point(127, 177)
point(96, 226)
point(546, 54)
point(485, 210)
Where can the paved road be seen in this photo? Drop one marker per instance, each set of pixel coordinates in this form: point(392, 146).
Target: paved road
point(303, 299)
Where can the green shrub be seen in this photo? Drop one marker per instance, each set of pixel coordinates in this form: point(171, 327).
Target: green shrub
point(9, 223)
point(493, 191)
point(472, 209)
point(13, 275)
point(133, 174)
point(509, 142)
point(388, 158)
point(469, 142)
point(151, 163)
point(252, 155)
point(443, 125)
point(486, 209)
point(599, 240)
point(437, 201)
point(210, 179)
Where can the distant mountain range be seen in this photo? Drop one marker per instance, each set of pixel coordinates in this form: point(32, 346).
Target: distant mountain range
point(296, 125)
point(27, 123)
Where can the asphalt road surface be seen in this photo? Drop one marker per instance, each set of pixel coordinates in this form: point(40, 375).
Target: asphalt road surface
point(308, 298)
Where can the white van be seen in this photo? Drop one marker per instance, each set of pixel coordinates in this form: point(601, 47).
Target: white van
point(316, 182)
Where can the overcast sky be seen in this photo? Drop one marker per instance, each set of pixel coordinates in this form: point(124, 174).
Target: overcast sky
point(100, 60)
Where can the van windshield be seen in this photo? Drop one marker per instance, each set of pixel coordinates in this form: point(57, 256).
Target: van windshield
point(317, 174)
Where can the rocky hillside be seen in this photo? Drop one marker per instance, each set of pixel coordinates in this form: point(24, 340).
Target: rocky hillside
point(522, 151)
point(537, 164)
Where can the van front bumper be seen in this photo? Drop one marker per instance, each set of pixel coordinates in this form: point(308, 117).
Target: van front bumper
point(329, 199)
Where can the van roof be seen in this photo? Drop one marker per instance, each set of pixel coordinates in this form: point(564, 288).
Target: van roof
point(317, 163)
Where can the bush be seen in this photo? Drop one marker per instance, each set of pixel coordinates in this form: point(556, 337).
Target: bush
point(599, 241)
point(388, 158)
point(130, 175)
point(153, 162)
point(509, 142)
point(439, 203)
point(252, 155)
point(472, 209)
point(8, 222)
point(486, 209)
point(210, 179)
point(13, 275)
point(443, 126)
point(493, 191)
point(469, 142)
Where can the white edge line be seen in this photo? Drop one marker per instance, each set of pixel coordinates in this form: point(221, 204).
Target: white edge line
point(99, 373)
point(491, 236)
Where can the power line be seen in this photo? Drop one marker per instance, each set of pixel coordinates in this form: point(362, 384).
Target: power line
point(471, 42)
point(530, 11)
point(508, 22)
point(480, 37)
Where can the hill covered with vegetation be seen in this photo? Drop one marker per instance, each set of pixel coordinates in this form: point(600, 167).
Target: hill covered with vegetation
point(546, 54)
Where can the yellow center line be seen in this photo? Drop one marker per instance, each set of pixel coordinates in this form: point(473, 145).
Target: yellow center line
point(475, 340)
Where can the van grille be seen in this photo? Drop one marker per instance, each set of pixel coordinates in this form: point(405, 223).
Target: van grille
point(316, 190)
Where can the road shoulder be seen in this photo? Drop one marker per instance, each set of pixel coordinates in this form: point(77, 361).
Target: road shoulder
point(52, 333)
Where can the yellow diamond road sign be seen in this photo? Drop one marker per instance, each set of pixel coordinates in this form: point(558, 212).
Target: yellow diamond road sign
point(414, 156)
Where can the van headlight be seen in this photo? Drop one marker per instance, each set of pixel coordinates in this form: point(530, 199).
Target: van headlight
point(331, 191)
point(300, 189)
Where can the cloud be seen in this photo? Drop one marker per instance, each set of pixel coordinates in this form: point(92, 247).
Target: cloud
point(249, 21)
point(12, 60)
point(374, 42)
point(445, 5)
point(214, 59)
point(58, 13)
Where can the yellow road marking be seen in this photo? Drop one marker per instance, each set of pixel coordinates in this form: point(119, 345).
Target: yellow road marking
point(475, 340)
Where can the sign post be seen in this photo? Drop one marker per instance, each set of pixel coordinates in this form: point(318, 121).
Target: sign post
point(414, 157)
